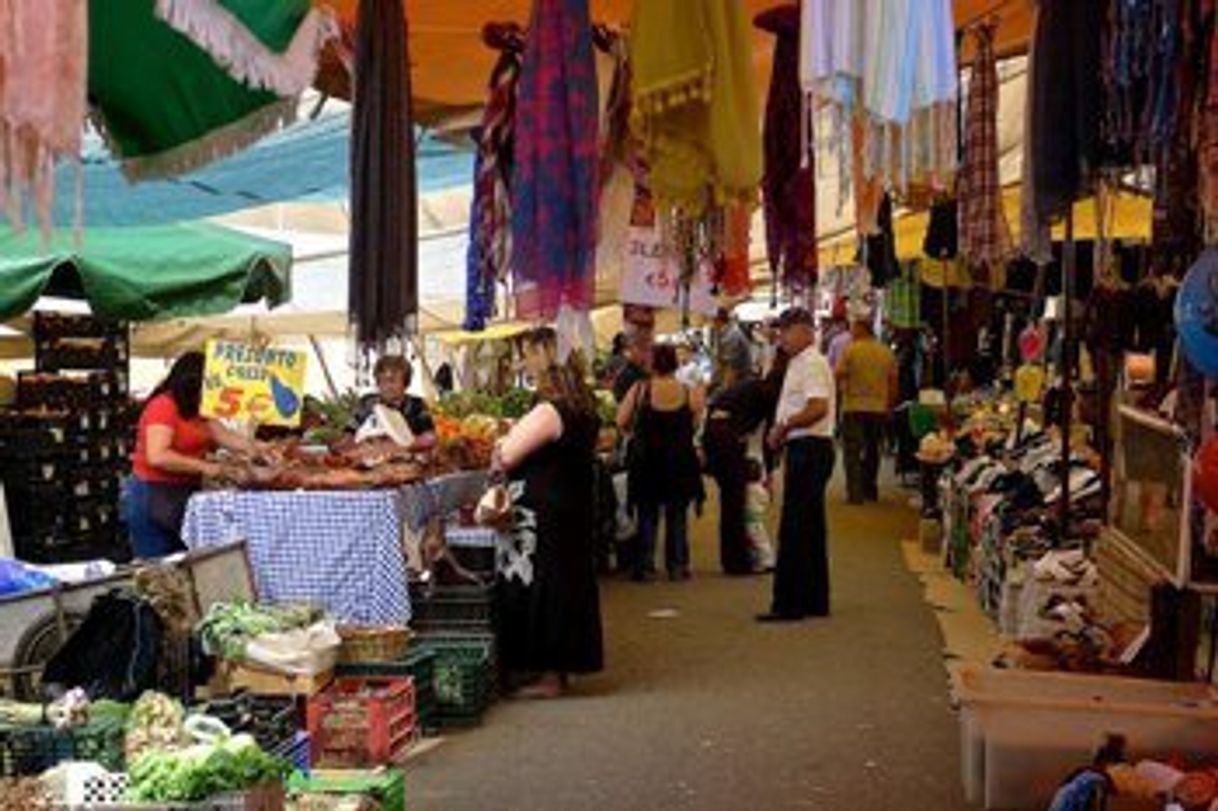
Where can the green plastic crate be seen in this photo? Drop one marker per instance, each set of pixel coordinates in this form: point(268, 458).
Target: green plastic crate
point(464, 676)
point(387, 786)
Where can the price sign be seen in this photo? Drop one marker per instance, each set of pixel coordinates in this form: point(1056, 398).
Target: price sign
point(246, 382)
point(651, 277)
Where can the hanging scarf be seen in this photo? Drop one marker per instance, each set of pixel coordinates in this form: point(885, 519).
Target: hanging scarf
point(985, 238)
point(1207, 147)
point(695, 105)
point(42, 100)
point(488, 261)
point(554, 182)
point(789, 182)
point(383, 262)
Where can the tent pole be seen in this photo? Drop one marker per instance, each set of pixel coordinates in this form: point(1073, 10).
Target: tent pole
point(1068, 352)
point(325, 367)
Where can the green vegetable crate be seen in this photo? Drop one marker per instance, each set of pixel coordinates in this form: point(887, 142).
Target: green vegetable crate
point(386, 786)
point(464, 676)
point(106, 794)
point(419, 665)
point(26, 750)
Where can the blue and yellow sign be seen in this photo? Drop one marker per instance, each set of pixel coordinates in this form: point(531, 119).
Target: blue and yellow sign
point(246, 382)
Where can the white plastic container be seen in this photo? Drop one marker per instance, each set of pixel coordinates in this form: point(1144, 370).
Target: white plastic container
point(1023, 732)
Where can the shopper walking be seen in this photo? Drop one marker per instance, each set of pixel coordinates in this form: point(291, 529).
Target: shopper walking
point(661, 416)
point(549, 617)
point(803, 428)
point(868, 381)
point(732, 416)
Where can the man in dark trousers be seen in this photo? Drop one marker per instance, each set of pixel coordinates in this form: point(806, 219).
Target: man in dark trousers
point(803, 428)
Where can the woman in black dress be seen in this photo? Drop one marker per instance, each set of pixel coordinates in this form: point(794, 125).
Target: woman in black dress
point(549, 616)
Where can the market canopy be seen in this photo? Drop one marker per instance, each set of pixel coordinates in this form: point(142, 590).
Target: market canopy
point(142, 274)
point(451, 64)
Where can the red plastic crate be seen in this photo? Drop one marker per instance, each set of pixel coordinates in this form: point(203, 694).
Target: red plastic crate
point(362, 721)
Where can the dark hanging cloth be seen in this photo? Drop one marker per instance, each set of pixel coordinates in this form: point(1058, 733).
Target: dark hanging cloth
point(789, 183)
point(554, 180)
point(1064, 102)
point(489, 254)
point(942, 234)
point(383, 269)
point(880, 252)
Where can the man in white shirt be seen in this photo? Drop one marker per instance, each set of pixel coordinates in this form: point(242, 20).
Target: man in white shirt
point(803, 429)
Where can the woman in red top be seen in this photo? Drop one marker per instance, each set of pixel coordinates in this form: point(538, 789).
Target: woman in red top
point(170, 458)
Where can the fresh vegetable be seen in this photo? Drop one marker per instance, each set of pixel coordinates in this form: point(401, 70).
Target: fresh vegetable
point(16, 713)
point(229, 627)
point(155, 722)
point(202, 771)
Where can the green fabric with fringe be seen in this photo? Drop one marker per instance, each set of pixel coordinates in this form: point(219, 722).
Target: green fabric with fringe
point(164, 103)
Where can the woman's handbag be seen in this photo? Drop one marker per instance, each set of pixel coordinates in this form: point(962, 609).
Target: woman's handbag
point(495, 507)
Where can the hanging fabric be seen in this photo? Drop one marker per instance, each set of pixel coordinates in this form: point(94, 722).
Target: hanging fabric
point(985, 237)
point(488, 258)
point(695, 107)
point(1064, 104)
point(383, 260)
point(892, 62)
point(1035, 242)
point(788, 183)
point(1207, 146)
point(554, 181)
point(43, 70)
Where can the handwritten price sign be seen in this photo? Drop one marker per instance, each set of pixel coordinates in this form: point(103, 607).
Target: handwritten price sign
point(651, 277)
point(245, 382)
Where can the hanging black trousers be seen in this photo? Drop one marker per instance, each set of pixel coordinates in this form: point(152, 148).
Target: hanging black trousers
point(801, 573)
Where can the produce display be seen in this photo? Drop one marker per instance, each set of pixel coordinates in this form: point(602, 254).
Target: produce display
point(202, 771)
point(23, 794)
point(290, 465)
point(156, 722)
point(512, 405)
point(228, 628)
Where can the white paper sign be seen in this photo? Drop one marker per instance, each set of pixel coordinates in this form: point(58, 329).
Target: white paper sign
point(651, 278)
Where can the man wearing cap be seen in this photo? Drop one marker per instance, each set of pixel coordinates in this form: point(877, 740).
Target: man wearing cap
point(867, 379)
point(803, 428)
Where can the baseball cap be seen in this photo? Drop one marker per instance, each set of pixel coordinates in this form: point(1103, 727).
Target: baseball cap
point(795, 315)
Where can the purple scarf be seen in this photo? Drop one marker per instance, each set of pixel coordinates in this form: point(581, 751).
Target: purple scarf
point(554, 182)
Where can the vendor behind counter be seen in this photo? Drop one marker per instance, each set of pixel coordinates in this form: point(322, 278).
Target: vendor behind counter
point(393, 375)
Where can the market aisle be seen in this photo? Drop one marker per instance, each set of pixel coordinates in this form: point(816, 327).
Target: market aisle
point(710, 710)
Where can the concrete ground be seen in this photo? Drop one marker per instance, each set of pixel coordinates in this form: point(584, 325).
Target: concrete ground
point(703, 708)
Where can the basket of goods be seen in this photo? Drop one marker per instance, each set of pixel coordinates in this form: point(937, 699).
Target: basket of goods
point(372, 643)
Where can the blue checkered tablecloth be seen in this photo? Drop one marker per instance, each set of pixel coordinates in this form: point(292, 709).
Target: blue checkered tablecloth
point(338, 550)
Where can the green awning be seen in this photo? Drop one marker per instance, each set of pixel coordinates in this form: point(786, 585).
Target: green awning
point(144, 273)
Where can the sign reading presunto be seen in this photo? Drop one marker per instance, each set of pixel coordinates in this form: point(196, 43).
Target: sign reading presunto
point(246, 382)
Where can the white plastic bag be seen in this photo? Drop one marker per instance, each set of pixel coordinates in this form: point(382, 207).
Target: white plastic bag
point(301, 652)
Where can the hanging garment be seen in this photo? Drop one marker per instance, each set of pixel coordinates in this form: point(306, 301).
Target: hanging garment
point(1063, 103)
point(43, 70)
point(788, 184)
point(384, 259)
point(881, 248)
point(554, 181)
point(488, 261)
point(1207, 146)
point(1035, 241)
point(695, 107)
point(733, 266)
point(985, 237)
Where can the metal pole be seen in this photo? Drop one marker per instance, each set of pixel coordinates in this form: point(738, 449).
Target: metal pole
point(1068, 348)
point(325, 367)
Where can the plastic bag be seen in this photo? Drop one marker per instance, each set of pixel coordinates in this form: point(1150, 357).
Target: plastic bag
point(301, 652)
point(17, 578)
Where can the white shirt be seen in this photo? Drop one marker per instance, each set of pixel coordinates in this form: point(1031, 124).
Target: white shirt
point(808, 378)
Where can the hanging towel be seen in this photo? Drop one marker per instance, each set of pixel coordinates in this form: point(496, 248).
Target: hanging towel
point(554, 182)
point(985, 237)
point(788, 184)
point(695, 108)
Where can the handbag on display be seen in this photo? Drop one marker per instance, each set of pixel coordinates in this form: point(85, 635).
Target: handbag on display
point(495, 507)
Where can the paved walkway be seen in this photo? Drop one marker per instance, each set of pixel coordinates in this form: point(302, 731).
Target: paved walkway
point(710, 710)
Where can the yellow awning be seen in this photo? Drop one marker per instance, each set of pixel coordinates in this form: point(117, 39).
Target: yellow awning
point(1131, 215)
point(493, 332)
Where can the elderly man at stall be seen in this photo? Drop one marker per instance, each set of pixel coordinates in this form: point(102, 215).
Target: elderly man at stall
point(803, 429)
point(393, 375)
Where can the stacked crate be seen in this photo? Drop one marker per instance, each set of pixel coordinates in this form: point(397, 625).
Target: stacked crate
point(65, 448)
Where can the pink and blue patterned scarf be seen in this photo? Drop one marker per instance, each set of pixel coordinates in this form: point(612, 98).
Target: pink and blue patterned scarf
point(554, 182)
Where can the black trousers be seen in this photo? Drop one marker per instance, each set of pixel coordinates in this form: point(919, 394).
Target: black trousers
point(862, 437)
point(725, 458)
point(801, 573)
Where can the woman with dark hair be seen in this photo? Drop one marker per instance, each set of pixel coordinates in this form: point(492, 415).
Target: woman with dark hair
point(661, 416)
point(549, 607)
point(734, 414)
point(170, 458)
